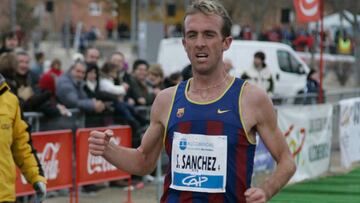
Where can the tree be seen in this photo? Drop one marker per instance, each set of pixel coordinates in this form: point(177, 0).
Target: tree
point(255, 12)
point(24, 17)
point(231, 6)
point(353, 7)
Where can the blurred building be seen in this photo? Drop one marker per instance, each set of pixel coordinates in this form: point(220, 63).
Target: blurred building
point(5, 14)
point(89, 12)
point(51, 14)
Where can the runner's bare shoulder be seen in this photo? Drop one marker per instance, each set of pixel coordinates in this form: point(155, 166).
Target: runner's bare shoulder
point(162, 103)
point(254, 94)
point(165, 95)
point(256, 100)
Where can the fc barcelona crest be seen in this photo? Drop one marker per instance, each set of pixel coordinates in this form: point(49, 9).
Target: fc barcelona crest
point(180, 112)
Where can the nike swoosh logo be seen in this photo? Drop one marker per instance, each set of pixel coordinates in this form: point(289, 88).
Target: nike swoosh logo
point(219, 111)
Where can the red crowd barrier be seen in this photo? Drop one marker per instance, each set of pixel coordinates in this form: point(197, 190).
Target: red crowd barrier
point(54, 150)
point(95, 169)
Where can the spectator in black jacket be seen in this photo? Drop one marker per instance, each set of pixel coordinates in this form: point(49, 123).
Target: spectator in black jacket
point(30, 96)
point(139, 90)
point(92, 84)
point(34, 102)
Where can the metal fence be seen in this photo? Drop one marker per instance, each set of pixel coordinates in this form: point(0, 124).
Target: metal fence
point(330, 96)
point(333, 97)
point(34, 119)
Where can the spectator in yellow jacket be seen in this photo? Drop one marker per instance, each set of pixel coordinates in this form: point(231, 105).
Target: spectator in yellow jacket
point(16, 148)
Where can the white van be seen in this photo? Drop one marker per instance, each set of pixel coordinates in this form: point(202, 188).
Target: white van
point(289, 71)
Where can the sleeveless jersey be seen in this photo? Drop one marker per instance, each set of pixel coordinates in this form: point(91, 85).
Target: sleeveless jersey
point(219, 117)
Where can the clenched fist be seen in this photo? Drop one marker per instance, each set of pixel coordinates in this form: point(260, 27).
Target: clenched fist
point(255, 195)
point(99, 141)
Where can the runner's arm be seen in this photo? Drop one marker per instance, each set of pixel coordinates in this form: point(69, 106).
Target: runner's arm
point(142, 160)
point(275, 141)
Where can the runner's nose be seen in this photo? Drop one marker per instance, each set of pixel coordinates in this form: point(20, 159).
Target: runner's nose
point(200, 42)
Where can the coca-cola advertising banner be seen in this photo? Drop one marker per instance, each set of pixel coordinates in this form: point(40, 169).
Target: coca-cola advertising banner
point(95, 169)
point(54, 150)
point(307, 10)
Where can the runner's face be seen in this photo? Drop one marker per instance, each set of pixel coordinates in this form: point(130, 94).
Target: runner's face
point(204, 42)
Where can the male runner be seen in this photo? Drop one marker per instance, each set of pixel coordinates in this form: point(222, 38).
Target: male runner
point(207, 124)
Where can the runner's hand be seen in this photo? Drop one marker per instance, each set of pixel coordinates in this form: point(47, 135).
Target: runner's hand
point(98, 141)
point(255, 195)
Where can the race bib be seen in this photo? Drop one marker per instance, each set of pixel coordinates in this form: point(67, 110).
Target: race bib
point(198, 163)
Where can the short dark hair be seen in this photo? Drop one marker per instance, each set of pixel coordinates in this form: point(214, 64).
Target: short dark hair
point(261, 56)
point(174, 76)
point(139, 62)
point(7, 35)
point(311, 72)
point(91, 67)
point(39, 55)
point(211, 7)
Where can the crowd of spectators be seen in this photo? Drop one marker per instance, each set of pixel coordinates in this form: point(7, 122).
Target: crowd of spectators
point(108, 93)
point(88, 35)
point(336, 41)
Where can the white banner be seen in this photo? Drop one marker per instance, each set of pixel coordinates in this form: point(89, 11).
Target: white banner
point(199, 163)
point(349, 131)
point(308, 133)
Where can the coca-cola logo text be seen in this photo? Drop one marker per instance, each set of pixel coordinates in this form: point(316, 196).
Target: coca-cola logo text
point(49, 161)
point(97, 164)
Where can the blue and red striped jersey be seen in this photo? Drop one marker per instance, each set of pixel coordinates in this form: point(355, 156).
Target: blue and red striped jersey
point(219, 117)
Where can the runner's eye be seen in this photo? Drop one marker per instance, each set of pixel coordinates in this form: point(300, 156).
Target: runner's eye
point(209, 34)
point(191, 35)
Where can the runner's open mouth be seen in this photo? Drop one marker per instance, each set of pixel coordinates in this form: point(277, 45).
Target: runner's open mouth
point(201, 55)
